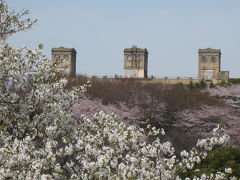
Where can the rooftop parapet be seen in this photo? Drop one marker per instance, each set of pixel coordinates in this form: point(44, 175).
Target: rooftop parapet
point(63, 49)
point(134, 48)
point(207, 50)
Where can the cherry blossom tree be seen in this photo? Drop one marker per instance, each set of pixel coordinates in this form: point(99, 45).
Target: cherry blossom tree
point(37, 140)
point(229, 94)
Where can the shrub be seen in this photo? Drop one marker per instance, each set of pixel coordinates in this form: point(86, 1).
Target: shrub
point(234, 80)
point(223, 83)
point(217, 161)
point(203, 85)
point(191, 85)
point(211, 85)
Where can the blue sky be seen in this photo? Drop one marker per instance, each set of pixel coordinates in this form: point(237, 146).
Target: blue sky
point(171, 30)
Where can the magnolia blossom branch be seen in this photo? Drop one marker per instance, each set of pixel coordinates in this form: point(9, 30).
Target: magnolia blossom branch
point(12, 22)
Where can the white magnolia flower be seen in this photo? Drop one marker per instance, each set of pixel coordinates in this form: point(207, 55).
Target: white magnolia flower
point(228, 170)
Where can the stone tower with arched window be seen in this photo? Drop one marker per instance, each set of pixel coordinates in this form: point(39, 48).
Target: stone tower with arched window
point(209, 65)
point(135, 62)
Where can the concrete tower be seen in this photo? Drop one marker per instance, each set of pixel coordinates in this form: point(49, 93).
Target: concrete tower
point(135, 62)
point(68, 57)
point(209, 65)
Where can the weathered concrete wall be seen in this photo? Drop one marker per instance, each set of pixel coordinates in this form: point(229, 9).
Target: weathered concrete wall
point(224, 75)
point(134, 73)
point(171, 81)
point(155, 81)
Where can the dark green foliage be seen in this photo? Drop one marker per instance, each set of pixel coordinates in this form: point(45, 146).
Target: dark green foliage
point(223, 83)
point(230, 82)
point(197, 86)
point(203, 85)
point(218, 160)
point(234, 81)
point(191, 85)
point(211, 85)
